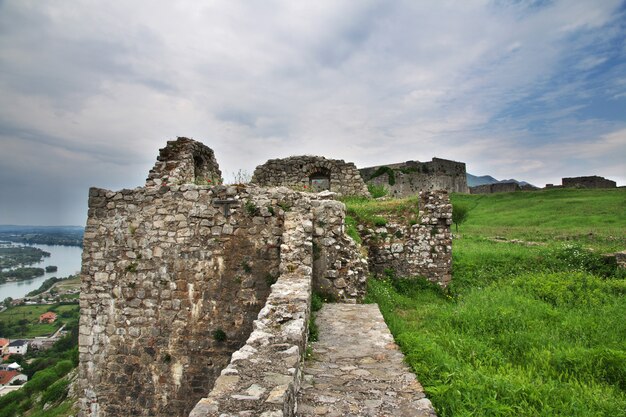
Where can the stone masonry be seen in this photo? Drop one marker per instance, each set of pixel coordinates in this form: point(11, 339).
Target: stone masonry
point(421, 249)
point(173, 277)
point(588, 182)
point(409, 178)
point(185, 161)
point(195, 297)
point(311, 172)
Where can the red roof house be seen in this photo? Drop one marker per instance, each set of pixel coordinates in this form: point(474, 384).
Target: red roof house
point(48, 317)
point(3, 345)
point(8, 377)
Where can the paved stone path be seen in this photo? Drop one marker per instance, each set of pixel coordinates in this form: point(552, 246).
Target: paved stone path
point(357, 369)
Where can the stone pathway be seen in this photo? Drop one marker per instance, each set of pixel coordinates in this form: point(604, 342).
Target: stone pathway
point(357, 369)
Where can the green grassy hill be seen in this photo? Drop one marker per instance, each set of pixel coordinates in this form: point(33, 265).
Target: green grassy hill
point(594, 217)
point(524, 329)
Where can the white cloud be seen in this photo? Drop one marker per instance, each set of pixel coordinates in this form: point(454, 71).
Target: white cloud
point(372, 82)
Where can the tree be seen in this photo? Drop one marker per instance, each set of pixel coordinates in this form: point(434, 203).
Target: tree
point(459, 214)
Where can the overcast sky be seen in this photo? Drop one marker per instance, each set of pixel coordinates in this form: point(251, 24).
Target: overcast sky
point(89, 91)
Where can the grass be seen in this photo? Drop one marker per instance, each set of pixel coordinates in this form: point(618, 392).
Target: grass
point(377, 213)
point(523, 330)
point(596, 218)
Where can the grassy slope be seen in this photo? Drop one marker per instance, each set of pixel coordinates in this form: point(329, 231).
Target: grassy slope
point(594, 217)
point(31, 313)
point(525, 330)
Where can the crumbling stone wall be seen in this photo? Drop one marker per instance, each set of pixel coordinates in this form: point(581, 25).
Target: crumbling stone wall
point(499, 187)
point(175, 273)
point(422, 249)
point(184, 161)
point(264, 376)
point(411, 177)
point(588, 182)
point(340, 271)
point(298, 171)
point(170, 287)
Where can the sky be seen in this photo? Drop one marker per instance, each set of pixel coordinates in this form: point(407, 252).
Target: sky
point(89, 91)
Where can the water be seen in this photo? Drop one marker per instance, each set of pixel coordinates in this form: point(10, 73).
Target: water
point(66, 258)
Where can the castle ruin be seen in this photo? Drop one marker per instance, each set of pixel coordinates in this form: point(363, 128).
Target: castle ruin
point(411, 177)
point(195, 296)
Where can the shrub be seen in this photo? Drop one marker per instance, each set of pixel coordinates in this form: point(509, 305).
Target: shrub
point(459, 214)
point(219, 335)
point(56, 392)
point(377, 191)
point(391, 176)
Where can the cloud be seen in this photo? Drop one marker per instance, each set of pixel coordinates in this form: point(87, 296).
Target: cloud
point(500, 85)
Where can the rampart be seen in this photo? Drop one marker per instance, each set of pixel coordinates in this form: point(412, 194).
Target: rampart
point(411, 177)
point(588, 182)
point(195, 297)
point(498, 187)
point(312, 173)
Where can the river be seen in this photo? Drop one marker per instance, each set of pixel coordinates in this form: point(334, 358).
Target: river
point(66, 258)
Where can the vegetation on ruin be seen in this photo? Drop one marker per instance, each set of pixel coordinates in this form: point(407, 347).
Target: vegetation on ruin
point(391, 175)
point(533, 322)
point(376, 213)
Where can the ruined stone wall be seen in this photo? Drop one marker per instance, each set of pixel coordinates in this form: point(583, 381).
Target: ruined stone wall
point(170, 287)
point(422, 249)
point(499, 187)
point(296, 172)
point(340, 271)
point(185, 161)
point(263, 377)
point(411, 177)
point(588, 182)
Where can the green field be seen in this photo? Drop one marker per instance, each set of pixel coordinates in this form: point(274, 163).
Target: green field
point(23, 321)
point(523, 330)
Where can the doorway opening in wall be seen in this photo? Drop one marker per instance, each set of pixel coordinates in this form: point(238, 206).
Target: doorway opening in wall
point(319, 181)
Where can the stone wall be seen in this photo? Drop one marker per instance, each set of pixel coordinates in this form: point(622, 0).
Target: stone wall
point(499, 187)
point(185, 161)
point(196, 291)
point(411, 177)
point(306, 172)
point(263, 377)
point(422, 249)
point(170, 287)
point(166, 275)
point(588, 182)
point(340, 271)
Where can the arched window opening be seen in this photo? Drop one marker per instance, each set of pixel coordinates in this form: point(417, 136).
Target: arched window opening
point(319, 181)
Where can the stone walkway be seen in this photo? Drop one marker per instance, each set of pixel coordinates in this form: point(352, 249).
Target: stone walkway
point(357, 369)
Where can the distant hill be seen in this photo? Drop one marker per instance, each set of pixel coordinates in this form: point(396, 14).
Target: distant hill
point(47, 235)
point(473, 180)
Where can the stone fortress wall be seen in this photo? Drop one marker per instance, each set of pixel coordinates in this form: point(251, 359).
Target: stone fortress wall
point(588, 182)
point(411, 177)
point(499, 187)
point(311, 172)
point(196, 298)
